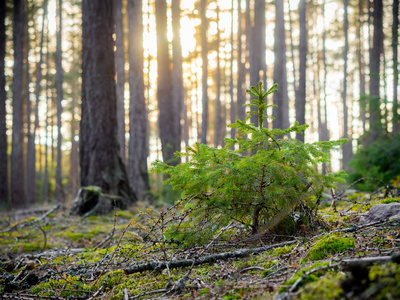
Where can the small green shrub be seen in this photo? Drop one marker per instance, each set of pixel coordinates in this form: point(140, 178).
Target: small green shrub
point(380, 159)
point(259, 178)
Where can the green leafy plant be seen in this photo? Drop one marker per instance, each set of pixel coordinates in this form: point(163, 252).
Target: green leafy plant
point(259, 179)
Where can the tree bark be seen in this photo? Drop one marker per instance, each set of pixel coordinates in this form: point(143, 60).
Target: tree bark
point(18, 196)
point(60, 95)
point(375, 118)
point(138, 123)
point(101, 164)
point(4, 200)
point(168, 116)
point(281, 99)
point(395, 44)
point(300, 101)
point(204, 52)
point(120, 68)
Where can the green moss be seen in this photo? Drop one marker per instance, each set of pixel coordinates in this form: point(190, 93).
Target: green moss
point(125, 214)
point(330, 245)
point(327, 287)
point(310, 278)
point(113, 278)
point(389, 200)
point(281, 250)
point(70, 286)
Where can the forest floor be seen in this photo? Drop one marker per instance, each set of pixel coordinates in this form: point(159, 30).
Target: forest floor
point(57, 256)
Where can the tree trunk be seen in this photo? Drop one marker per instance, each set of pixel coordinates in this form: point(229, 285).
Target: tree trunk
point(60, 95)
point(292, 48)
point(46, 153)
point(257, 51)
point(232, 107)
point(168, 115)
point(300, 101)
point(177, 80)
point(346, 148)
point(375, 118)
point(281, 99)
point(138, 123)
point(241, 99)
point(27, 99)
point(395, 42)
point(204, 52)
point(101, 164)
point(31, 161)
point(360, 58)
point(74, 172)
point(4, 201)
point(120, 68)
point(18, 196)
point(218, 116)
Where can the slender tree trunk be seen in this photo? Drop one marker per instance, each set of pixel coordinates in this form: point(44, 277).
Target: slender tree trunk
point(300, 101)
point(281, 98)
point(18, 196)
point(324, 129)
point(59, 194)
point(257, 52)
point(4, 200)
point(395, 43)
point(241, 99)
point(120, 68)
point(232, 107)
point(27, 99)
point(346, 148)
point(204, 52)
point(361, 74)
point(101, 164)
point(138, 123)
point(74, 172)
point(168, 117)
point(292, 48)
point(218, 116)
point(177, 75)
point(31, 161)
point(374, 63)
point(46, 153)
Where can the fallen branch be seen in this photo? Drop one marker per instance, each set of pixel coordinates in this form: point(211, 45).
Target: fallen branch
point(160, 265)
point(26, 224)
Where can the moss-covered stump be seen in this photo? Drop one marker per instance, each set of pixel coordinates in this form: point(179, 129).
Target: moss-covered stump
point(90, 201)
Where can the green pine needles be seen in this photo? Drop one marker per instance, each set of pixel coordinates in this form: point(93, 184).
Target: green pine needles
point(269, 182)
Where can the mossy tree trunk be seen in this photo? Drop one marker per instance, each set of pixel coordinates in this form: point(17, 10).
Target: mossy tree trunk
point(100, 162)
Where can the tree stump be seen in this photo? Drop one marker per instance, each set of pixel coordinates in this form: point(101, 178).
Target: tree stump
point(90, 201)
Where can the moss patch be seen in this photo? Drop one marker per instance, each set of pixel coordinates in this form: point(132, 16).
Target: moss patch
point(328, 246)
